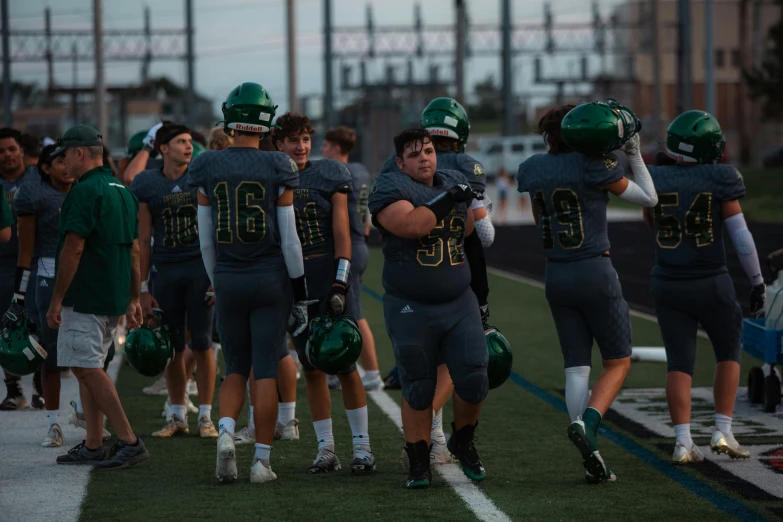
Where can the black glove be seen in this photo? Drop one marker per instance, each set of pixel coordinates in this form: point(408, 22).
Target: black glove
point(16, 315)
point(443, 203)
point(484, 315)
point(758, 296)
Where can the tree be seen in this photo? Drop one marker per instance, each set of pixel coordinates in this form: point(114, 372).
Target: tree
point(488, 98)
point(765, 82)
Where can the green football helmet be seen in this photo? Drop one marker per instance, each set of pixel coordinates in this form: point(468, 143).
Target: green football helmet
point(149, 350)
point(248, 108)
point(198, 148)
point(695, 137)
point(335, 343)
point(20, 353)
point(136, 143)
point(500, 357)
point(599, 127)
point(446, 117)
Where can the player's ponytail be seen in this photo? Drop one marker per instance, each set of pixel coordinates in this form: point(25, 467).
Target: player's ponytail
point(549, 128)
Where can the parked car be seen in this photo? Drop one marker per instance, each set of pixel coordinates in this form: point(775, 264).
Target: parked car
point(505, 151)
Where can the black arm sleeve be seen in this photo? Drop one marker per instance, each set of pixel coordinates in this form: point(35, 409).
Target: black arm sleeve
point(478, 268)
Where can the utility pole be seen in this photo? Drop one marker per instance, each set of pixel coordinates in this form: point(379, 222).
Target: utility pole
point(459, 57)
point(75, 84)
point(145, 64)
point(100, 81)
point(709, 56)
point(684, 78)
point(190, 100)
point(656, 60)
point(7, 115)
point(742, 96)
point(328, 80)
point(509, 117)
point(293, 99)
point(49, 61)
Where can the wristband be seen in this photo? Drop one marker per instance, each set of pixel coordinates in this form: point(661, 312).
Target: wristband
point(300, 288)
point(145, 287)
point(343, 271)
point(21, 280)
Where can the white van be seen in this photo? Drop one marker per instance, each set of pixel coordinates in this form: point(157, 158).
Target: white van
point(505, 151)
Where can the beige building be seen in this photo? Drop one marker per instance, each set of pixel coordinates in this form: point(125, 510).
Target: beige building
point(731, 104)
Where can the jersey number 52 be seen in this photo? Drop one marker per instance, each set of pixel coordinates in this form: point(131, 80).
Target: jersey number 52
point(432, 252)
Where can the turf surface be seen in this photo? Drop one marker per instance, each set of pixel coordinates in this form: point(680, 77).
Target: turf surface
point(533, 472)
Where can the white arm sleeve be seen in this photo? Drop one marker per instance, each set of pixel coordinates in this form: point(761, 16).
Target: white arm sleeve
point(486, 231)
point(743, 243)
point(289, 241)
point(640, 190)
point(206, 240)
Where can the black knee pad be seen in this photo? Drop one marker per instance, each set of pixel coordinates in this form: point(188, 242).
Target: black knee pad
point(419, 394)
point(200, 342)
point(473, 387)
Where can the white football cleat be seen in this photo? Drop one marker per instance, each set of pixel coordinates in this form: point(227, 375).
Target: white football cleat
point(260, 473)
point(726, 443)
point(156, 388)
point(440, 454)
point(246, 435)
point(191, 388)
point(54, 439)
point(166, 413)
point(333, 382)
point(373, 383)
point(77, 419)
point(683, 455)
point(226, 466)
point(289, 431)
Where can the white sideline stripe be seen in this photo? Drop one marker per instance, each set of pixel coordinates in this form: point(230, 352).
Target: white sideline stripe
point(477, 502)
point(32, 486)
point(540, 285)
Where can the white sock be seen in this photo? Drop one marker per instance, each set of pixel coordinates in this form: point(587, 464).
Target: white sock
point(723, 423)
point(251, 420)
point(323, 433)
point(79, 407)
point(577, 390)
point(53, 416)
point(262, 453)
point(205, 410)
point(228, 424)
point(437, 435)
point(286, 412)
point(682, 434)
point(371, 374)
point(179, 410)
point(359, 426)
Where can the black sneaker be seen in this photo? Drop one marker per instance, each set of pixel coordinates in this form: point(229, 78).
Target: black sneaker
point(123, 455)
point(419, 474)
point(461, 445)
point(15, 399)
point(81, 454)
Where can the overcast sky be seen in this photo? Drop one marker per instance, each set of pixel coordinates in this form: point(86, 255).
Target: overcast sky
point(224, 26)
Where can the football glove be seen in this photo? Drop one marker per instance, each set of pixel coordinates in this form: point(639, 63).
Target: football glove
point(442, 204)
point(337, 299)
point(758, 297)
point(15, 316)
point(149, 139)
point(484, 309)
point(298, 321)
point(632, 147)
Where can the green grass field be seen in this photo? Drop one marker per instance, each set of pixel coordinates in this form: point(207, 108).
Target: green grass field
point(533, 472)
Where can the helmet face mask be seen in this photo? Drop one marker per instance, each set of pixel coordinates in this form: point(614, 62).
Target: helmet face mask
point(149, 350)
point(248, 108)
point(598, 128)
point(500, 359)
point(334, 344)
point(695, 137)
point(447, 118)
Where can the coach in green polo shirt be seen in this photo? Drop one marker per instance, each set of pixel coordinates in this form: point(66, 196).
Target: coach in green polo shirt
point(98, 281)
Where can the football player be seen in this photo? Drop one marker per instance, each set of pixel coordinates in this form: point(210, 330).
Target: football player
point(143, 159)
point(449, 128)
point(321, 204)
point(338, 144)
point(180, 286)
point(570, 192)
point(37, 206)
point(249, 243)
point(13, 175)
point(690, 282)
point(431, 313)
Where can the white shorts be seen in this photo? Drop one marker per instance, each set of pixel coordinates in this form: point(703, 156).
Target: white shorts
point(84, 339)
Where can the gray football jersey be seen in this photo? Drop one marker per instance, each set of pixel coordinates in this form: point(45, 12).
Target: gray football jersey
point(688, 232)
point(464, 163)
point(357, 200)
point(40, 198)
point(318, 182)
point(431, 269)
point(173, 205)
point(566, 190)
point(243, 185)
point(10, 250)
